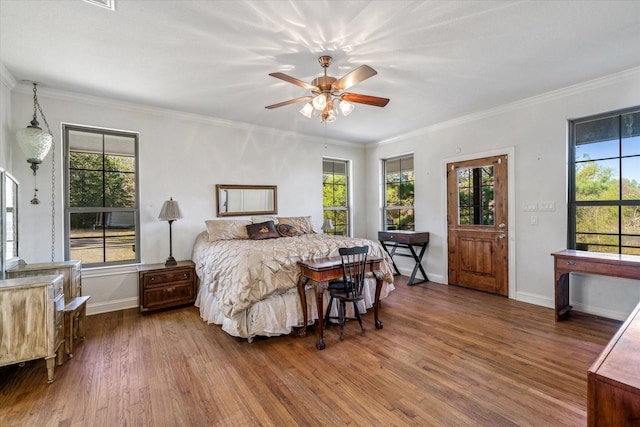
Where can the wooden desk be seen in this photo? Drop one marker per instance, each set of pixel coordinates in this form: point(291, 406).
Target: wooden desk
point(613, 387)
point(320, 271)
point(408, 240)
point(571, 261)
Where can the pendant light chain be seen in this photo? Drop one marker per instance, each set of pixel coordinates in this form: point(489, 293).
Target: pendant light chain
point(53, 174)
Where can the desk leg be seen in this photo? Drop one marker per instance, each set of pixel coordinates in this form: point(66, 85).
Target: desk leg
point(397, 272)
point(562, 296)
point(319, 295)
point(302, 282)
point(418, 259)
point(376, 302)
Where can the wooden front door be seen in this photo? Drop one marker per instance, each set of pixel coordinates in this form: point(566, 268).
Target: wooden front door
point(477, 224)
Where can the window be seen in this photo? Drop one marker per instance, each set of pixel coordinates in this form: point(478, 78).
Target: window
point(335, 195)
point(101, 200)
point(398, 194)
point(604, 183)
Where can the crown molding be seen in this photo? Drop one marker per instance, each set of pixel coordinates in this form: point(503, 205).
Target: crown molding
point(523, 103)
point(6, 78)
point(75, 97)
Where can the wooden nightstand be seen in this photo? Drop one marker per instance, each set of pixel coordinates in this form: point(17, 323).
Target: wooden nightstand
point(166, 286)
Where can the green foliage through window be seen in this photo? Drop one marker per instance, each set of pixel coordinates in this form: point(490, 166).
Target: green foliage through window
point(399, 194)
point(102, 200)
point(335, 195)
point(604, 190)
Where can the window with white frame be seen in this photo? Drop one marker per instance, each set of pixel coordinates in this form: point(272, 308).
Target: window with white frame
point(335, 195)
point(604, 183)
point(101, 196)
point(398, 209)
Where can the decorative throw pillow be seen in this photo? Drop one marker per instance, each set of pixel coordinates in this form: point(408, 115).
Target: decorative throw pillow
point(264, 218)
point(301, 223)
point(263, 230)
point(286, 230)
point(219, 229)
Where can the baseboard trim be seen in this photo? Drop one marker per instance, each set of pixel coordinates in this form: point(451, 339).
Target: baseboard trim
point(109, 306)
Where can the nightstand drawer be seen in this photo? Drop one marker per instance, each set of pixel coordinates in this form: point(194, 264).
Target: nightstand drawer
point(164, 277)
point(168, 296)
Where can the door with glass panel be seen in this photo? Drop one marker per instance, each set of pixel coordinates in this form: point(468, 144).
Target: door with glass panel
point(477, 224)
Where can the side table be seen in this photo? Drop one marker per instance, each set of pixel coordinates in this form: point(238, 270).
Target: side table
point(164, 286)
point(408, 240)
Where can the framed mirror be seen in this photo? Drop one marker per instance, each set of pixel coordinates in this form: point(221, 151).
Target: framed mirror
point(8, 220)
point(238, 200)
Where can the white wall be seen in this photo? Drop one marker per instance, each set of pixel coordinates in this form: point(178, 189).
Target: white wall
point(7, 82)
point(181, 156)
point(537, 129)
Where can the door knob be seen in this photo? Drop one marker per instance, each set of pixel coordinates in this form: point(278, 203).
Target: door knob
point(502, 236)
point(502, 225)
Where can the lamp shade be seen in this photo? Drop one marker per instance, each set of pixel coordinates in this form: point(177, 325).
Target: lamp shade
point(327, 225)
point(170, 211)
point(34, 142)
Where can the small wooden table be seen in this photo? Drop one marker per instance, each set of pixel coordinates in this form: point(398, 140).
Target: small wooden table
point(613, 387)
point(409, 240)
point(320, 271)
point(571, 261)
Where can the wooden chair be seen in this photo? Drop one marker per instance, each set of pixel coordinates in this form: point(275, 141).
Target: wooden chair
point(349, 289)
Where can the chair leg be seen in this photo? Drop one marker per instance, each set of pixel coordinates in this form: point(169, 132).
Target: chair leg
point(343, 317)
point(357, 313)
point(326, 314)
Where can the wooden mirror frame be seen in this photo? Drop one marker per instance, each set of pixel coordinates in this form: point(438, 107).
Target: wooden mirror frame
point(221, 211)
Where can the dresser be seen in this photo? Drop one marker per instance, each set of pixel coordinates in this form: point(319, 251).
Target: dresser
point(75, 305)
point(163, 286)
point(31, 321)
point(70, 270)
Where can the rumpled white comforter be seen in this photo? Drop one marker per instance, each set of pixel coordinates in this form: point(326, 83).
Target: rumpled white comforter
point(249, 286)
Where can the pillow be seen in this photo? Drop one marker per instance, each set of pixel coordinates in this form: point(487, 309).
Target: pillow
point(286, 230)
point(301, 223)
point(263, 230)
point(219, 229)
point(264, 218)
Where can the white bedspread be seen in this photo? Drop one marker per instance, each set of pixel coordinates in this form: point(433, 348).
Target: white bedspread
point(249, 286)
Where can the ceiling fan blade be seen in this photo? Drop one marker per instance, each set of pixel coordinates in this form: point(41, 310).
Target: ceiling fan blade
point(291, 101)
point(295, 81)
point(365, 99)
point(361, 73)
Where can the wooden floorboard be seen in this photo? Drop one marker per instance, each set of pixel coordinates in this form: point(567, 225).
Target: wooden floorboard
point(447, 356)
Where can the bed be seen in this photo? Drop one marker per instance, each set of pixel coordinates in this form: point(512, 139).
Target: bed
point(248, 282)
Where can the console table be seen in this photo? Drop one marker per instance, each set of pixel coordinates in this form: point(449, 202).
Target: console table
point(409, 240)
point(571, 261)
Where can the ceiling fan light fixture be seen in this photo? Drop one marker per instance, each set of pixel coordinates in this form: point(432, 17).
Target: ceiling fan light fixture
point(346, 107)
point(307, 110)
point(319, 102)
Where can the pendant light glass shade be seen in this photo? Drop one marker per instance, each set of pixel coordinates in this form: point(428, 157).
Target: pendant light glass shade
point(34, 142)
point(307, 110)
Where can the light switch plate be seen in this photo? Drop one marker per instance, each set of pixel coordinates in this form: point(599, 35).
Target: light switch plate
point(547, 206)
point(529, 206)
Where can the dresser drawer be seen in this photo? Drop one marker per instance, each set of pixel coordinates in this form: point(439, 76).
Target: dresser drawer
point(164, 277)
point(168, 296)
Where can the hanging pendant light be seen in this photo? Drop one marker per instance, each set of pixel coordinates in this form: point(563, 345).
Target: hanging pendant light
point(34, 142)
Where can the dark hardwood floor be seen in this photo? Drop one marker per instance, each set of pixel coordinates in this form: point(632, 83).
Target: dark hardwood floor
point(447, 356)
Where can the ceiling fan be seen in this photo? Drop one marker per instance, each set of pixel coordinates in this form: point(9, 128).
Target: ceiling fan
point(327, 92)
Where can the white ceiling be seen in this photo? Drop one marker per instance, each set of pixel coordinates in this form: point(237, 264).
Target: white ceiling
point(436, 60)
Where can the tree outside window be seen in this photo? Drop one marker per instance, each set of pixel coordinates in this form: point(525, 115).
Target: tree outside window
point(102, 201)
point(399, 193)
point(604, 191)
point(335, 195)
